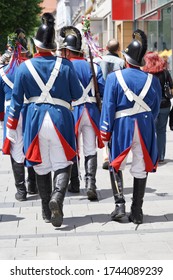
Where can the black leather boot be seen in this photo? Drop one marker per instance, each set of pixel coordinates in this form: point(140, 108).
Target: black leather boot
point(117, 188)
point(61, 180)
point(31, 181)
point(74, 185)
point(136, 215)
point(44, 185)
point(90, 176)
point(19, 177)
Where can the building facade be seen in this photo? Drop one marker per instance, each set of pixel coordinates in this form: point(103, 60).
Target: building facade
point(118, 18)
point(156, 18)
point(49, 6)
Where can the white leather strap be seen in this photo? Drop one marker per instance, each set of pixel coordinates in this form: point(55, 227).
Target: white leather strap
point(85, 97)
point(6, 79)
point(131, 95)
point(89, 99)
point(139, 106)
point(45, 96)
point(56, 101)
point(129, 112)
point(8, 102)
point(54, 73)
point(146, 86)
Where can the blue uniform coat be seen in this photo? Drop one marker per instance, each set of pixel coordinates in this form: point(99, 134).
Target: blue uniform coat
point(66, 87)
point(83, 70)
point(121, 130)
point(6, 92)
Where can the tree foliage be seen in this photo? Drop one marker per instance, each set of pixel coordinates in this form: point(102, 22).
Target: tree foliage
point(18, 13)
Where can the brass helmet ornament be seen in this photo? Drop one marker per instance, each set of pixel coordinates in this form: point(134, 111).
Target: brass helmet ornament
point(72, 39)
point(136, 50)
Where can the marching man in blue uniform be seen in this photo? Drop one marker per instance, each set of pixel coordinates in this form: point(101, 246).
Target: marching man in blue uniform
point(85, 110)
point(49, 84)
point(7, 74)
point(130, 106)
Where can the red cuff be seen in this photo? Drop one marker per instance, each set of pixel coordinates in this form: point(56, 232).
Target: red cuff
point(12, 123)
point(1, 116)
point(105, 136)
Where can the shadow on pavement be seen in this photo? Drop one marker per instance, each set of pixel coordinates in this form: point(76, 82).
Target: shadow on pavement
point(9, 218)
point(76, 222)
point(157, 219)
point(71, 223)
point(107, 193)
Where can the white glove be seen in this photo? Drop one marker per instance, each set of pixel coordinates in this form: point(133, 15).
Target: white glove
point(11, 134)
point(105, 143)
point(1, 124)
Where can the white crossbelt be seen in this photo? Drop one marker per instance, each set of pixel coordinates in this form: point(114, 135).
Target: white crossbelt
point(8, 102)
point(10, 84)
point(85, 97)
point(140, 106)
point(45, 96)
point(6, 79)
point(55, 101)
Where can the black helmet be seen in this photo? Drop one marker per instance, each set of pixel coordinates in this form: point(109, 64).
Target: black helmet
point(72, 38)
point(21, 38)
point(16, 41)
point(136, 50)
point(19, 30)
point(45, 37)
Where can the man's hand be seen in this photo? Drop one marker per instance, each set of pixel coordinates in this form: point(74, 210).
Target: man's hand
point(11, 134)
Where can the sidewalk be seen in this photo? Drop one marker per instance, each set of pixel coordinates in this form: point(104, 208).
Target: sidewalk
point(87, 232)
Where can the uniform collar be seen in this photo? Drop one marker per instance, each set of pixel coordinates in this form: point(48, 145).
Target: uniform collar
point(77, 58)
point(40, 54)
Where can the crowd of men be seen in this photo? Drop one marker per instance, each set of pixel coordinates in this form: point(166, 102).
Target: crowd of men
point(51, 102)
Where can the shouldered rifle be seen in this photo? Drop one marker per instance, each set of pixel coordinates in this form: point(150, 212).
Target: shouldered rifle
point(97, 94)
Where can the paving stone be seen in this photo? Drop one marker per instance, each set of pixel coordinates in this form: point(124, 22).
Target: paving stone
point(87, 232)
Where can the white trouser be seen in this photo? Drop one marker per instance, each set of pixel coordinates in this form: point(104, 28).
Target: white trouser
point(16, 149)
point(88, 135)
point(105, 154)
point(138, 165)
point(51, 149)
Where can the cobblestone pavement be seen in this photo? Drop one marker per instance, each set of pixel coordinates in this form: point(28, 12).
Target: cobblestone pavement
point(87, 232)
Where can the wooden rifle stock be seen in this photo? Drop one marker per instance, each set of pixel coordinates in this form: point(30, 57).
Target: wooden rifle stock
point(97, 94)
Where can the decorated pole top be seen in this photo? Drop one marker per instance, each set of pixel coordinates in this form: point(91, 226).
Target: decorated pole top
point(93, 47)
point(15, 48)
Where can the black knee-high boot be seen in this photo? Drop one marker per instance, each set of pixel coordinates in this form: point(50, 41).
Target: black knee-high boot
point(136, 215)
point(61, 180)
point(90, 176)
point(117, 188)
point(44, 185)
point(31, 181)
point(19, 177)
point(74, 185)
